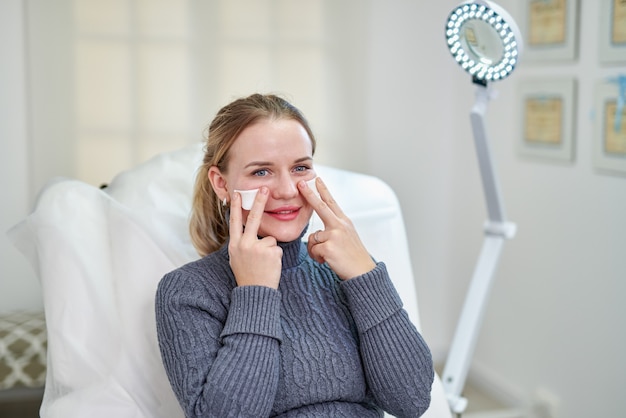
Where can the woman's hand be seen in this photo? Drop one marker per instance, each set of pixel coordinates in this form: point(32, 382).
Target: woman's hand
point(338, 244)
point(254, 261)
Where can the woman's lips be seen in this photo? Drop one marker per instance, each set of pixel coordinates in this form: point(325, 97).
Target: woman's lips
point(284, 214)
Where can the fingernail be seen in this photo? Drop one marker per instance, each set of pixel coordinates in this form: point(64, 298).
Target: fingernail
point(263, 190)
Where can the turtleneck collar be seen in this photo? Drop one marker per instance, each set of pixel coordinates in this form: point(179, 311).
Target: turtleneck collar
point(293, 252)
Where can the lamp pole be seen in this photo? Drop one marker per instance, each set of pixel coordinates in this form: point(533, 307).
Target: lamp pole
point(496, 230)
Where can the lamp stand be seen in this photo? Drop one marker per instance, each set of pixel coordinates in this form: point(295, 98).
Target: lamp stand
point(496, 231)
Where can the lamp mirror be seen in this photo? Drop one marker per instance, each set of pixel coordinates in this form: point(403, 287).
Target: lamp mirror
point(484, 40)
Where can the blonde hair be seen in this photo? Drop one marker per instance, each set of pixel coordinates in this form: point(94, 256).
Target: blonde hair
point(208, 224)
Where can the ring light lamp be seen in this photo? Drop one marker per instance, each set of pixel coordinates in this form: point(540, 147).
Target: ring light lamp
point(485, 41)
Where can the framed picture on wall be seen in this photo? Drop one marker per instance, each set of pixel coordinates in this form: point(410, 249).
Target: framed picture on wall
point(546, 117)
point(550, 30)
point(609, 145)
point(612, 48)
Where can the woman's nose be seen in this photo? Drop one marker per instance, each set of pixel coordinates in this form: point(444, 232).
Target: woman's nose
point(285, 188)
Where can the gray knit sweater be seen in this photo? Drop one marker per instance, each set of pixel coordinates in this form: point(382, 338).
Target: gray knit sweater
point(316, 347)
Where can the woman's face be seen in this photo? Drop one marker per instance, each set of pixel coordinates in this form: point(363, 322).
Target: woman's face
point(276, 154)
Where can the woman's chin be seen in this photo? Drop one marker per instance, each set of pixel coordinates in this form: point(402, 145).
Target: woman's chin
point(284, 234)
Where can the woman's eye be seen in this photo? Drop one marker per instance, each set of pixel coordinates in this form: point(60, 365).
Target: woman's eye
point(301, 168)
point(260, 173)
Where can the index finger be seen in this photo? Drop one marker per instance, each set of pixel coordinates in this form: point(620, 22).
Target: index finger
point(324, 205)
point(256, 212)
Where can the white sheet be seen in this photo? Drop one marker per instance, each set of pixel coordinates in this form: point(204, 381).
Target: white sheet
point(99, 270)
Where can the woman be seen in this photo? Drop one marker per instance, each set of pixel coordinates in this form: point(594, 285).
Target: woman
point(264, 324)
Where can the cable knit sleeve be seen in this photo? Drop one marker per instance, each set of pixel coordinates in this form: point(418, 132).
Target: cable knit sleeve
point(397, 362)
point(219, 344)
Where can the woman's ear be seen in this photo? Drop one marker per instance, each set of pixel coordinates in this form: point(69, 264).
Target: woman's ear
point(218, 182)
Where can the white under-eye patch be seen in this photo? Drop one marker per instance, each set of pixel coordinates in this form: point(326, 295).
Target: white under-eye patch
point(311, 184)
point(247, 196)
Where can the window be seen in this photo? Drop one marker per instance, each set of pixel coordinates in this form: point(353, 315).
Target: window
point(132, 84)
point(115, 82)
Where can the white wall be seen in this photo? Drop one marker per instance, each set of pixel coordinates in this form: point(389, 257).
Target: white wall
point(19, 288)
point(558, 304)
point(555, 318)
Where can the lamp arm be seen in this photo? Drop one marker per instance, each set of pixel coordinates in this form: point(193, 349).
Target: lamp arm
point(495, 209)
point(496, 230)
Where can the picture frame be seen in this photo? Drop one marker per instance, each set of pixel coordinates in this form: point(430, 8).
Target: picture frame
point(547, 107)
point(550, 29)
point(609, 131)
point(612, 46)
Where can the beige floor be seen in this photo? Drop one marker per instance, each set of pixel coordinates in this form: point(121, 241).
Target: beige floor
point(479, 401)
point(481, 405)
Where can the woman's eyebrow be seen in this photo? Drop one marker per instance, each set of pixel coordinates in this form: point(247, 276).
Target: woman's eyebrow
point(258, 163)
point(269, 164)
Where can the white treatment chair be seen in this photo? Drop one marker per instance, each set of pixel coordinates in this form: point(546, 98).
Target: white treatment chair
point(100, 253)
